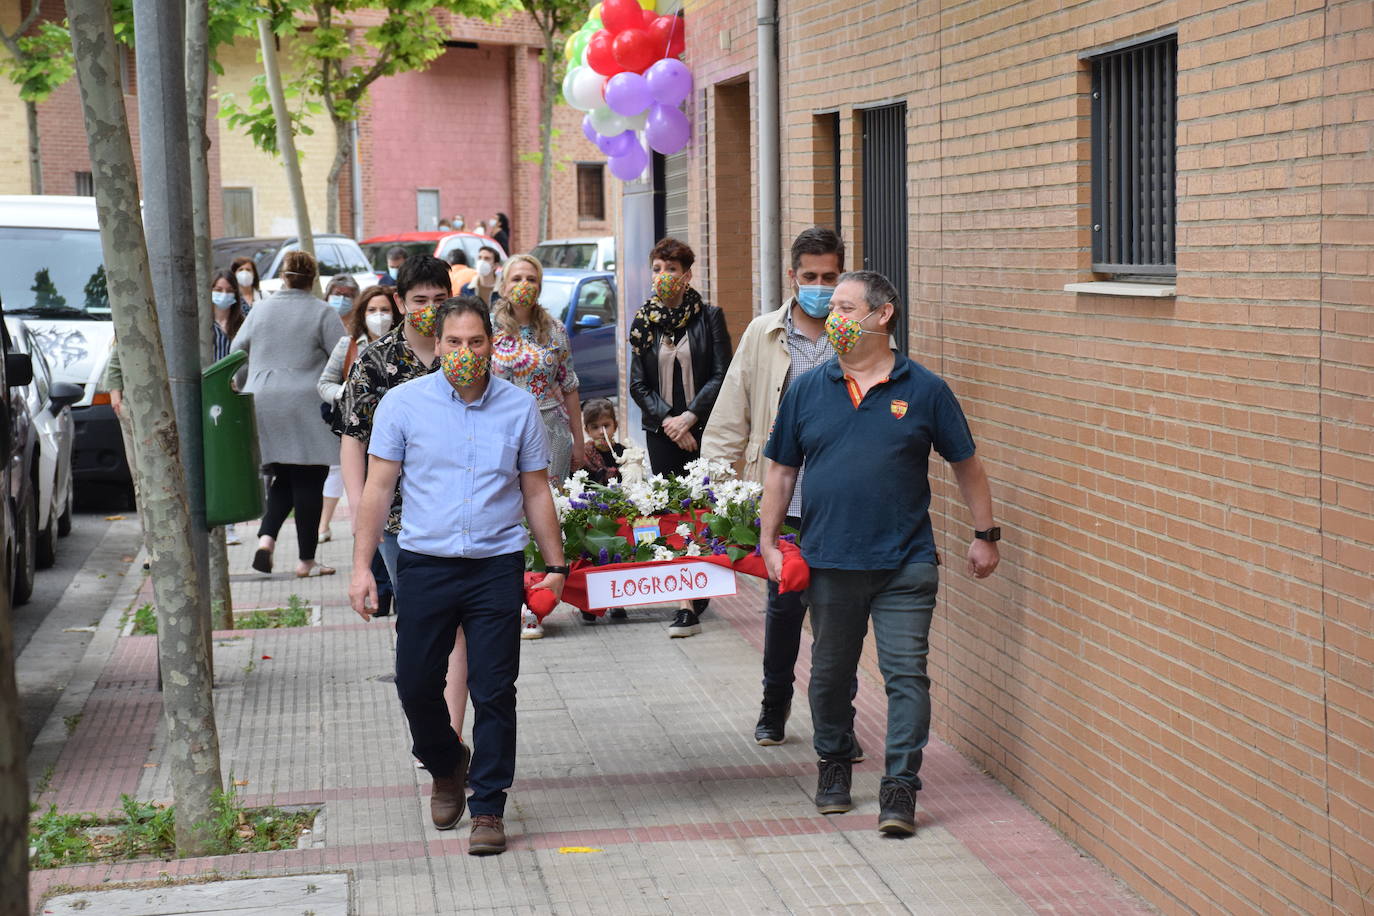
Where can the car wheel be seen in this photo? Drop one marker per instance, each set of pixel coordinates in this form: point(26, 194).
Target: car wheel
point(46, 554)
point(64, 521)
point(26, 546)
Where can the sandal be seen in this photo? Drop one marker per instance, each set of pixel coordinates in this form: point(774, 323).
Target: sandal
point(262, 560)
point(319, 569)
point(324, 537)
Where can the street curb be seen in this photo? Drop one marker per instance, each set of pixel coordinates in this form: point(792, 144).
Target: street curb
point(52, 738)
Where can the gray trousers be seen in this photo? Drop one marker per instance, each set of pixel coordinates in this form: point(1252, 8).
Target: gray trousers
point(901, 603)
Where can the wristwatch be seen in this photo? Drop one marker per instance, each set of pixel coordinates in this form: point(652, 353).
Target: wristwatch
point(989, 534)
point(560, 570)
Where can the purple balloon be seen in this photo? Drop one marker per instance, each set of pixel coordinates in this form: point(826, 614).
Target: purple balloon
point(618, 145)
point(627, 94)
point(631, 165)
point(667, 129)
point(670, 82)
point(588, 130)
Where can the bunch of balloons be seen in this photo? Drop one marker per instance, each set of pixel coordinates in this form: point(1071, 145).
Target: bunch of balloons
point(624, 71)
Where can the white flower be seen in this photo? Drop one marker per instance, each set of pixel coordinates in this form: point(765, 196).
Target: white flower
point(693, 549)
point(684, 530)
point(563, 504)
point(664, 553)
point(580, 475)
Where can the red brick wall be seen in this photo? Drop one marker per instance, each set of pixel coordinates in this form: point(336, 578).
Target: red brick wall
point(1173, 663)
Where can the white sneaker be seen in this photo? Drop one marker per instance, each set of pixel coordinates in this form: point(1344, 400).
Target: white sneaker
point(231, 536)
point(530, 627)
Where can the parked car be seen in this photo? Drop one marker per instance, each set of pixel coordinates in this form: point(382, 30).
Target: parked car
point(53, 276)
point(336, 254)
point(49, 405)
point(19, 473)
point(591, 253)
point(585, 302)
point(438, 244)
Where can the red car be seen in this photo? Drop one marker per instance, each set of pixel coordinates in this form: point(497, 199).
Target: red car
point(438, 244)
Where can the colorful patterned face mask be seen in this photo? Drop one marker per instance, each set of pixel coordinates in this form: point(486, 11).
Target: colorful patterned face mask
point(523, 295)
point(462, 367)
point(422, 320)
point(844, 332)
point(667, 286)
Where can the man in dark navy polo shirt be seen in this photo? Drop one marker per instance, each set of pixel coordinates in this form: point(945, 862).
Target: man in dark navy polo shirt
point(864, 425)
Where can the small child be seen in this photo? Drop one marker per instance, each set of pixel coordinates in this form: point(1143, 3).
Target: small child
point(601, 453)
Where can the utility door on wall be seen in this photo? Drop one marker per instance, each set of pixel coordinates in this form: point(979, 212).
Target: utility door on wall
point(885, 201)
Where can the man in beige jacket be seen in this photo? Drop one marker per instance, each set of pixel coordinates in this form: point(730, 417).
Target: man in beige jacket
point(777, 348)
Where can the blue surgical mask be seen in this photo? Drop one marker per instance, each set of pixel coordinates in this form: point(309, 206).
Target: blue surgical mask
point(340, 304)
point(815, 300)
point(221, 299)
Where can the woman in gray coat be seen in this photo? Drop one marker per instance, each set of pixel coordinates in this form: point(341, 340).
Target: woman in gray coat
point(288, 338)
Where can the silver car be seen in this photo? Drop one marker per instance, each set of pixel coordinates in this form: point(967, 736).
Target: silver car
point(590, 253)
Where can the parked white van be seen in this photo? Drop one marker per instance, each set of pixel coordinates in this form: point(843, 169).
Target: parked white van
point(52, 275)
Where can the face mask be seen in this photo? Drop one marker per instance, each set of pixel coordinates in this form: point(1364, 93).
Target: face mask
point(340, 304)
point(523, 295)
point(245, 278)
point(222, 300)
point(815, 300)
point(378, 323)
point(457, 224)
point(844, 332)
point(667, 286)
point(422, 320)
point(392, 271)
point(462, 367)
point(484, 268)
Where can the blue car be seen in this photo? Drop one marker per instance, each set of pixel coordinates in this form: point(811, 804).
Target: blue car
point(584, 301)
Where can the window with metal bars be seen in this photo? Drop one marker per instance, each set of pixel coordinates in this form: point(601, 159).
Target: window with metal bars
point(591, 191)
point(85, 184)
point(1134, 115)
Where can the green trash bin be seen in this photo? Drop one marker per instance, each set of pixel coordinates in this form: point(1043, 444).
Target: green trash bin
point(229, 432)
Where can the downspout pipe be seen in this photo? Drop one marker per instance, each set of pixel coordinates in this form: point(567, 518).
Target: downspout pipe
point(770, 223)
point(357, 162)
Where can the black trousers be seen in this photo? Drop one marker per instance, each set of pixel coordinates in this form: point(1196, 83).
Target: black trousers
point(298, 487)
point(483, 596)
point(664, 455)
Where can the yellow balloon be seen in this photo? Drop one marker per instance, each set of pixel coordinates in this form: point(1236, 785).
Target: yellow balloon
point(568, 48)
point(647, 4)
point(596, 13)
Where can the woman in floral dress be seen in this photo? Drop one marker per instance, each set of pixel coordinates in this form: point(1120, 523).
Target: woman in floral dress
point(531, 349)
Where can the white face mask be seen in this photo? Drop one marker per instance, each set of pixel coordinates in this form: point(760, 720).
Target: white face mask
point(485, 268)
point(221, 299)
point(245, 278)
point(378, 323)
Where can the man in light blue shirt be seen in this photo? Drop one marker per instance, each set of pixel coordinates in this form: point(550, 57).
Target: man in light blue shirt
point(472, 458)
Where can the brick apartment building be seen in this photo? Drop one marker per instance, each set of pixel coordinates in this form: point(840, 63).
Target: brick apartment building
point(1174, 664)
point(456, 138)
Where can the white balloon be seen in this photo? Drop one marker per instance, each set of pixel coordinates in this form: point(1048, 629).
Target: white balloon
point(608, 123)
point(586, 89)
point(638, 121)
point(568, 88)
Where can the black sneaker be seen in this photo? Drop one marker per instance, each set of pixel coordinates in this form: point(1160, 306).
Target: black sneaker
point(832, 786)
point(685, 623)
point(588, 617)
point(896, 807)
point(618, 613)
point(772, 725)
point(857, 755)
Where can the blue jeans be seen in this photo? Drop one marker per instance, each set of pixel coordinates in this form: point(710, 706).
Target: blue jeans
point(483, 596)
point(902, 604)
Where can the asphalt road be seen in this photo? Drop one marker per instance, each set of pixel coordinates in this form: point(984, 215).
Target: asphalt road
point(52, 630)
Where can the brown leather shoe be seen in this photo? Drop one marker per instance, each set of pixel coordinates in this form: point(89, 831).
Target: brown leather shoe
point(488, 836)
point(447, 800)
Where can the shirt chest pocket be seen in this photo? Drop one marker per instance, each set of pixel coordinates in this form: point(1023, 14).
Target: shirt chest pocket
point(497, 453)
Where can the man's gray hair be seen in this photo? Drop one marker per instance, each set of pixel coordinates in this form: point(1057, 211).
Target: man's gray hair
point(878, 290)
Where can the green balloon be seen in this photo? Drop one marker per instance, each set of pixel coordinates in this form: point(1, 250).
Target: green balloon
point(579, 45)
point(593, 26)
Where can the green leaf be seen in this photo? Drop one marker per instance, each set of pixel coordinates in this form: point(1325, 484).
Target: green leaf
point(737, 553)
point(742, 534)
point(720, 525)
point(611, 543)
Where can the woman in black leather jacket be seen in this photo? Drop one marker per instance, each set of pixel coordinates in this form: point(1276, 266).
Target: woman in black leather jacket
point(681, 351)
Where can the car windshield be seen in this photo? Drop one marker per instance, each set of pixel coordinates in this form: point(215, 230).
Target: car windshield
point(555, 295)
point(580, 256)
point(53, 273)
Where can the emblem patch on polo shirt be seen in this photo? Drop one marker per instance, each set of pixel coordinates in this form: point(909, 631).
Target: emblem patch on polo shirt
point(898, 408)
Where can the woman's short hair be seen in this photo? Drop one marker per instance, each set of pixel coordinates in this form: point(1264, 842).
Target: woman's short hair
point(673, 250)
point(299, 270)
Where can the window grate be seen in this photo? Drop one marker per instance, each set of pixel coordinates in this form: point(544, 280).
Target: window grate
point(1134, 115)
point(885, 201)
point(85, 184)
point(591, 191)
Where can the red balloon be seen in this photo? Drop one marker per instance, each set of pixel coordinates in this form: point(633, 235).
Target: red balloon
point(649, 17)
point(634, 51)
point(679, 44)
point(666, 34)
point(619, 15)
point(600, 56)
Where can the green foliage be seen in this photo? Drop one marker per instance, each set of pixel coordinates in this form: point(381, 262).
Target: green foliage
point(96, 291)
point(295, 614)
point(45, 294)
point(256, 117)
point(58, 839)
point(43, 63)
point(145, 621)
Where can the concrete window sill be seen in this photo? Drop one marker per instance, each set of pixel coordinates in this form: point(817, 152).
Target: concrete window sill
point(1109, 288)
